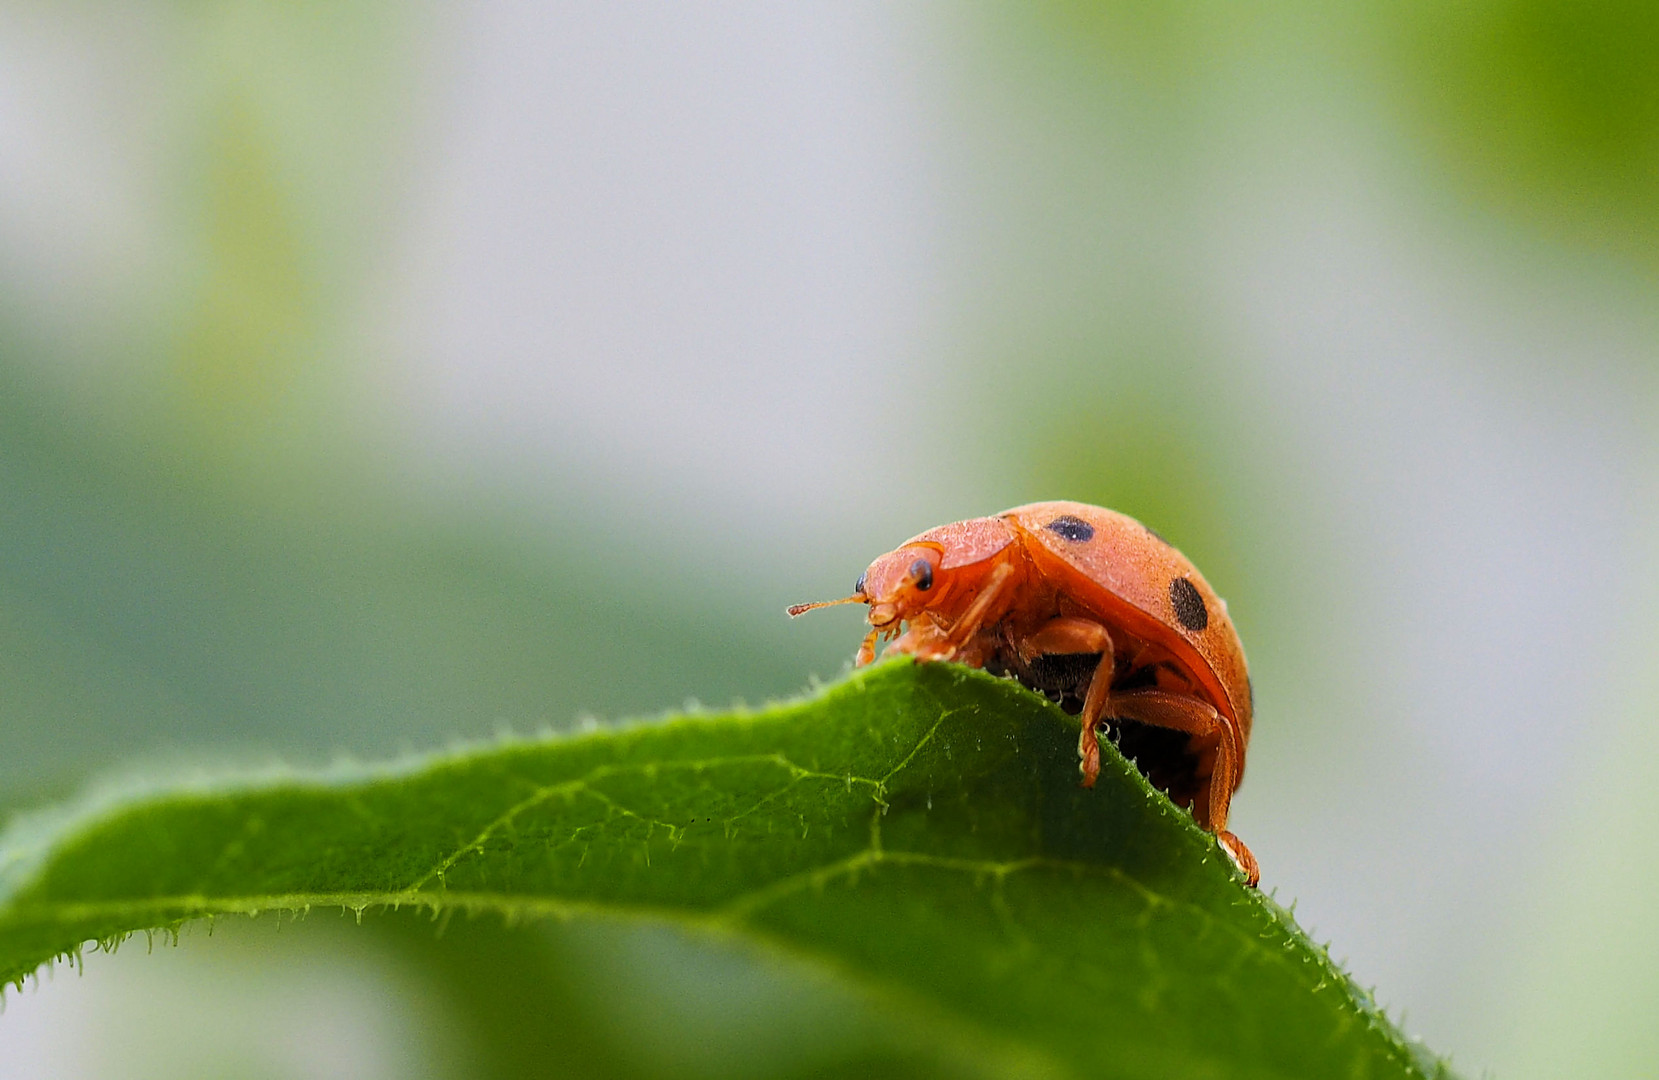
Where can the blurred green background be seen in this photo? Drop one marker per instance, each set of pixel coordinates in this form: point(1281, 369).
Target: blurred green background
point(373, 376)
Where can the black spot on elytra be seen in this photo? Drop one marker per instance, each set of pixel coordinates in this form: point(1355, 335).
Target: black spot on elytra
point(1189, 606)
point(1251, 687)
point(1156, 535)
point(1071, 528)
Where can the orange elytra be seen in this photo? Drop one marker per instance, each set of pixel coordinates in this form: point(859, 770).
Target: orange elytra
point(1094, 609)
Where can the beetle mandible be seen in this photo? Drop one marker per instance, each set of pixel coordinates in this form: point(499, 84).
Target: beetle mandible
point(1092, 607)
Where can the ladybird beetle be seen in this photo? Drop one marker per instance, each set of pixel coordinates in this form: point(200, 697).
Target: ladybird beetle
point(1092, 608)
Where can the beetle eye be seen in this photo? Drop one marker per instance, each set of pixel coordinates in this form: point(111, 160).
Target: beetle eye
point(859, 588)
point(922, 571)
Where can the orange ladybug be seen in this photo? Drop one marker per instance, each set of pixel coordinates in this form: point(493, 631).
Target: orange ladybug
point(1093, 608)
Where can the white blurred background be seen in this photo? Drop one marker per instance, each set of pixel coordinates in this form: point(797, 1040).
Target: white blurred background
point(372, 376)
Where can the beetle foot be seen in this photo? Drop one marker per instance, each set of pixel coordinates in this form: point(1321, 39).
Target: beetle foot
point(1088, 755)
point(1246, 862)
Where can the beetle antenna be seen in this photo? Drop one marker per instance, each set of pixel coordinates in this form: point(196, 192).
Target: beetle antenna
point(802, 609)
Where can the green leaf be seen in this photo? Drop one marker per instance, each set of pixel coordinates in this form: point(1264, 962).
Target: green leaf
point(918, 829)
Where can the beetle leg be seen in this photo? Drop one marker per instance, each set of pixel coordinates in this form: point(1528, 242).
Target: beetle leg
point(1094, 708)
point(1066, 635)
point(1072, 636)
point(867, 651)
point(972, 619)
point(1199, 720)
point(1182, 712)
point(1241, 857)
point(921, 639)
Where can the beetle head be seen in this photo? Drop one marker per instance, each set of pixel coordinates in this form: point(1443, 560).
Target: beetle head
point(898, 586)
point(902, 584)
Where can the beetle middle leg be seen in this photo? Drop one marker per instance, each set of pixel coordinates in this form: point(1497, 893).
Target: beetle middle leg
point(1069, 635)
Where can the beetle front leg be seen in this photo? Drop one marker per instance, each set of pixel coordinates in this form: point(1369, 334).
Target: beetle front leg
point(867, 651)
point(921, 638)
point(948, 645)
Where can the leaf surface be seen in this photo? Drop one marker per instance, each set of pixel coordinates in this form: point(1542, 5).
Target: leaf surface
point(917, 829)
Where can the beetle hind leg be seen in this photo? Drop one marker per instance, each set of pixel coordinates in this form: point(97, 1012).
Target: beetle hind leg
point(1241, 856)
point(1219, 750)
